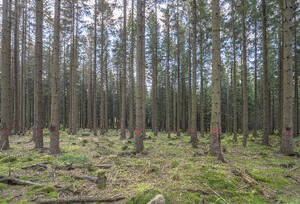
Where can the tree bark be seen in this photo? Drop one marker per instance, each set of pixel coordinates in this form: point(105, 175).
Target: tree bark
point(286, 146)
point(235, 122)
point(102, 95)
point(255, 81)
point(16, 69)
point(23, 69)
point(131, 74)
point(139, 146)
point(154, 76)
point(215, 125)
point(194, 138)
point(38, 85)
point(94, 105)
point(266, 97)
point(123, 111)
point(245, 79)
point(54, 127)
point(168, 100)
point(6, 97)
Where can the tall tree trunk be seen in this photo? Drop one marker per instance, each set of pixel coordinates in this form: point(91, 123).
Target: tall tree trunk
point(23, 69)
point(38, 71)
point(139, 146)
point(90, 89)
point(54, 127)
point(280, 65)
point(189, 100)
point(6, 121)
point(123, 110)
point(286, 146)
point(64, 89)
point(296, 126)
point(194, 138)
point(178, 73)
point(245, 79)
point(94, 73)
point(102, 100)
point(255, 81)
point(215, 125)
point(235, 122)
point(16, 68)
point(202, 95)
point(266, 97)
point(154, 77)
point(168, 100)
point(131, 74)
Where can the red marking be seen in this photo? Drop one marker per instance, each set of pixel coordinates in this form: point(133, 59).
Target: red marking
point(38, 130)
point(139, 132)
point(288, 132)
point(4, 131)
point(216, 131)
point(194, 130)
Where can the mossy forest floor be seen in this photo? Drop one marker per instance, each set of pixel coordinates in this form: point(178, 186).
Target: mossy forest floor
point(255, 174)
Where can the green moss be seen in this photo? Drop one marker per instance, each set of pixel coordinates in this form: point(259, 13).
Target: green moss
point(143, 197)
point(22, 202)
point(70, 158)
point(10, 158)
point(71, 148)
point(47, 189)
point(174, 164)
point(52, 195)
point(3, 186)
point(191, 198)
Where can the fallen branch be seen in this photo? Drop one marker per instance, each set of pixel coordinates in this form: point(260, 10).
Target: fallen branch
point(15, 181)
point(217, 194)
point(41, 166)
point(80, 200)
point(294, 168)
point(245, 175)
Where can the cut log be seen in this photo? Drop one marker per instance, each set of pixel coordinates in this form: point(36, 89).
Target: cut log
point(80, 200)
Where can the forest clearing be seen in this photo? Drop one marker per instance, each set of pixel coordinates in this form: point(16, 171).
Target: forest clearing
point(149, 101)
point(256, 174)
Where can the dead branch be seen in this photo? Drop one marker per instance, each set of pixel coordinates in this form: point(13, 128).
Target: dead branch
point(40, 166)
point(15, 181)
point(217, 194)
point(80, 200)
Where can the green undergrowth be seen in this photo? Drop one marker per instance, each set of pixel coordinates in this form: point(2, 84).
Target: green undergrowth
point(170, 167)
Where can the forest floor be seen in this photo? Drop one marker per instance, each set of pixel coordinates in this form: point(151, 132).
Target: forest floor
point(255, 174)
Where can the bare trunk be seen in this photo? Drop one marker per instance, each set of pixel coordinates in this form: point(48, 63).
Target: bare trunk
point(38, 89)
point(123, 110)
point(131, 75)
point(266, 97)
point(235, 122)
point(6, 121)
point(194, 138)
point(168, 100)
point(16, 68)
point(139, 146)
point(94, 105)
point(287, 146)
point(245, 79)
point(255, 81)
point(215, 125)
point(54, 126)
